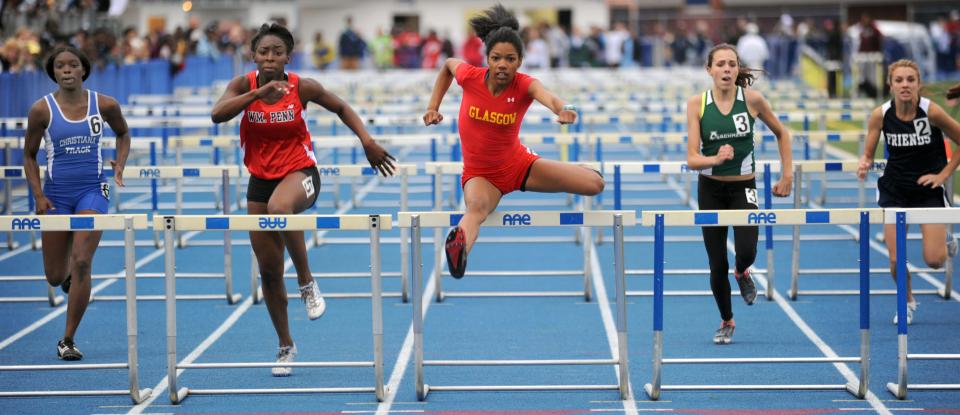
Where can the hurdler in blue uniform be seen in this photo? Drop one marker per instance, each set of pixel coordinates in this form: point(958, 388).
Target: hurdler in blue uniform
point(70, 124)
point(75, 180)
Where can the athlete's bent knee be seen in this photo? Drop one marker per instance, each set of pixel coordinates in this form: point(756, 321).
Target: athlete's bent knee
point(595, 186)
point(279, 208)
point(935, 262)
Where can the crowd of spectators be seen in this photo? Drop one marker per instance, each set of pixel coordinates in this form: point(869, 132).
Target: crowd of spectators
point(33, 27)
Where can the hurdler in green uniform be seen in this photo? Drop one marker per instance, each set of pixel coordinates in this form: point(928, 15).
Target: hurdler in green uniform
point(735, 129)
point(720, 147)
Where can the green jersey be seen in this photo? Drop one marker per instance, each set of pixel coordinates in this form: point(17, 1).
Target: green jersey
point(735, 128)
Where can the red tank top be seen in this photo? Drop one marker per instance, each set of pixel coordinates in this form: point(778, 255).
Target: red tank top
point(489, 125)
point(274, 137)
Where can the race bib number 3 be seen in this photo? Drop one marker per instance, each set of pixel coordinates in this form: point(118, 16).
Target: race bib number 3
point(741, 122)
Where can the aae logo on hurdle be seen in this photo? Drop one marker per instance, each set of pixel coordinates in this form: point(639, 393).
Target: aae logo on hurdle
point(150, 173)
point(762, 218)
point(516, 219)
point(22, 224)
point(329, 171)
point(273, 223)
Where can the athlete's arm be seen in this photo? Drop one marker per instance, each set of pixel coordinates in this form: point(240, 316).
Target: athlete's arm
point(447, 73)
point(112, 114)
point(696, 160)
point(756, 101)
point(37, 120)
point(951, 128)
point(874, 125)
point(238, 96)
point(312, 91)
point(551, 101)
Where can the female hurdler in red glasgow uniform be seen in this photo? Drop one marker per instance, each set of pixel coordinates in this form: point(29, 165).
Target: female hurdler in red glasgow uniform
point(494, 161)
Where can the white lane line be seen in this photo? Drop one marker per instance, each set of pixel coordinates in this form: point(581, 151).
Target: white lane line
point(600, 291)
point(235, 316)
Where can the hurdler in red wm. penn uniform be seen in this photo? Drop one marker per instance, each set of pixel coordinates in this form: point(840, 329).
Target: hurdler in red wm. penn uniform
point(274, 136)
point(490, 129)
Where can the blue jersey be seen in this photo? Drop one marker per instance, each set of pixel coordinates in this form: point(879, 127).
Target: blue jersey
point(73, 146)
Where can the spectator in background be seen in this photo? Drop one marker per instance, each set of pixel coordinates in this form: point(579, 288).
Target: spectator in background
point(871, 41)
point(580, 52)
point(596, 46)
point(446, 51)
point(952, 26)
point(679, 44)
point(613, 44)
point(351, 47)
point(208, 42)
point(834, 40)
point(430, 49)
point(407, 48)
point(558, 43)
point(946, 62)
point(322, 53)
point(382, 49)
point(537, 54)
point(752, 48)
point(10, 56)
point(473, 49)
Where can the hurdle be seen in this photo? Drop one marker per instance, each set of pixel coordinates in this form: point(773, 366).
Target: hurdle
point(373, 223)
point(128, 224)
point(416, 221)
point(404, 171)
point(661, 219)
point(903, 217)
point(153, 173)
point(438, 169)
point(848, 166)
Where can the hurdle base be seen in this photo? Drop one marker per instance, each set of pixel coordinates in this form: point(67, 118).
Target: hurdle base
point(181, 394)
point(105, 392)
point(513, 388)
point(648, 389)
point(894, 388)
point(840, 387)
point(184, 392)
point(853, 388)
point(142, 395)
point(56, 300)
point(234, 299)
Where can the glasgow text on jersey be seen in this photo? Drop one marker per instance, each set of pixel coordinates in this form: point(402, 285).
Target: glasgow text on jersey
point(498, 118)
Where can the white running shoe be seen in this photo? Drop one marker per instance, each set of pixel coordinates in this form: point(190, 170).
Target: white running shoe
point(285, 355)
point(911, 308)
point(310, 294)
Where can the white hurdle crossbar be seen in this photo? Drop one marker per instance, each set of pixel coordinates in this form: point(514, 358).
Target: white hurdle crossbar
point(128, 224)
point(659, 220)
point(404, 171)
point(153, 173)
point(373, 223)
point(416, 221)
point(902, 218)
point(440, 169)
